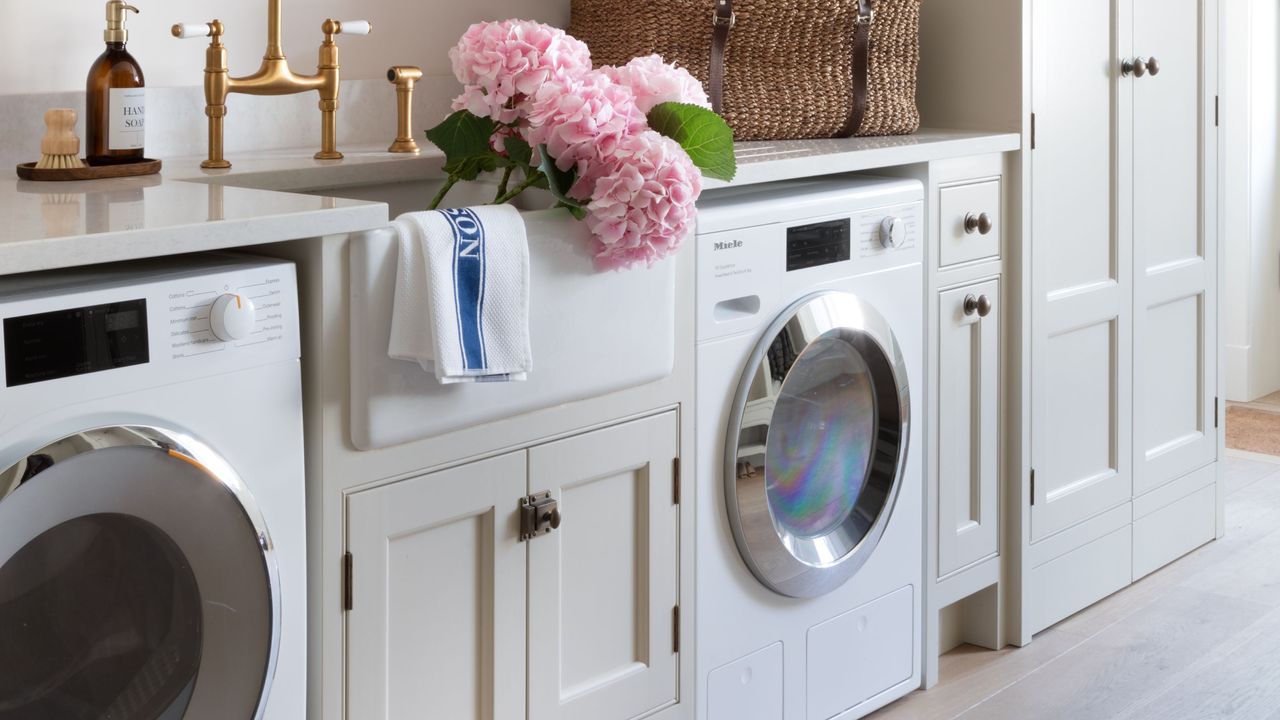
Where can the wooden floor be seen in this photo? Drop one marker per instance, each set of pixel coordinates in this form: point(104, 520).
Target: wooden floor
point(1198, 639)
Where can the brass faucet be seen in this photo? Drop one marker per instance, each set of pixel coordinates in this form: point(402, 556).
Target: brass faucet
point(273, 78)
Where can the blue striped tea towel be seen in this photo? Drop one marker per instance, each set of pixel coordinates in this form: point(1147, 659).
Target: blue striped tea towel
point(462, 294)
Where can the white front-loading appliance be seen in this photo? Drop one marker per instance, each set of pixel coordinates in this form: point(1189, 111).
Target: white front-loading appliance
point(810, 318)
point(152, 520)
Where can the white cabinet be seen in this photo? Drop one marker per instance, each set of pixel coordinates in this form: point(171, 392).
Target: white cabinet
point(604, 587)
point(968, 425)
point(1123, 289)
point(451, 612)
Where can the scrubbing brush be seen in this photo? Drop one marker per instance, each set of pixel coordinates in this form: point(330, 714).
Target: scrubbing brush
point(60, 148)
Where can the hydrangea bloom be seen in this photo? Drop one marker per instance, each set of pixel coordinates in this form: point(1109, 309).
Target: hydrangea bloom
point(654, 82)
point(501, 63)
point(643, 207)
point(582, 121)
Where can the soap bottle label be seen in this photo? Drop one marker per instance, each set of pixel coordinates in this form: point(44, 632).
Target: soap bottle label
point(128, 111)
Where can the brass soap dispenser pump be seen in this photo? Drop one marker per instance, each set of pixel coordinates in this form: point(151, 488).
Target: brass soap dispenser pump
point(115, 121)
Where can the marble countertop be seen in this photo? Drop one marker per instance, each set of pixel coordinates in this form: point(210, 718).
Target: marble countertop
point(185, 209)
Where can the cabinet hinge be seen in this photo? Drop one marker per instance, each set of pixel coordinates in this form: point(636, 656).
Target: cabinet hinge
point(1033, 486)
point(1216, 402)
point(1217, 108)
point(675, 481)
point(1033, 131)
point(675, 629)
point(348, 582)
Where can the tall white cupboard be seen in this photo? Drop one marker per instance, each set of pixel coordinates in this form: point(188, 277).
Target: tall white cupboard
point(1122, 409)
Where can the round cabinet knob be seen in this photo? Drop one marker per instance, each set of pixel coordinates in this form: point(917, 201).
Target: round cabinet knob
point(893, 232)
point(1153, 67)
point(1136, 67)
point(979, 305)
point(232, 317)
point(552, 519)
point(980, 224)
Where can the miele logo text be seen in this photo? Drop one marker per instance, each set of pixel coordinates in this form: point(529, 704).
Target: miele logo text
point(728, 245)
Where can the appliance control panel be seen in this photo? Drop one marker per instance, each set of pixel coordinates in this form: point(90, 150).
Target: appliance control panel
point(805, 237)
point(145, 323)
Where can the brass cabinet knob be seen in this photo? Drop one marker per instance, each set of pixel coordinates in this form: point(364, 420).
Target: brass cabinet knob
point(979, 304)
point(1153, 66)
point(552, 518)
point(980, 224)
point(1136, 67)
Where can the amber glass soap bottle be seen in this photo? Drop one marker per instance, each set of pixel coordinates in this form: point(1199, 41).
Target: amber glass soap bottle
point(115, 103)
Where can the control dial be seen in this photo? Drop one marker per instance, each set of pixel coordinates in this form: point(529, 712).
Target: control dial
point(232, 317)
point(893, 232)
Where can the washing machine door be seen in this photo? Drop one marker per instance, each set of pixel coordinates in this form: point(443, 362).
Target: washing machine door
point(137, 582)
point(816, 445)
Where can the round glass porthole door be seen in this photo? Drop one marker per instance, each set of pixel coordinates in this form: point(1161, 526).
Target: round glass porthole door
point(816, 444)
point(136, 583)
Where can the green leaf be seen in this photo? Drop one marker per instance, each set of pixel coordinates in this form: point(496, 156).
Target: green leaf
point(464, 140)
point(559, 182)
point(702, 133)
point(519, 152)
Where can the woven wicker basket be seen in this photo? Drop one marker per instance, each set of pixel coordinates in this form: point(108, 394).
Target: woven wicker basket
point(790, 66)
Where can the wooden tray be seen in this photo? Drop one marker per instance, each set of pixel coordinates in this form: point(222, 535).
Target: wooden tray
point(28, 171)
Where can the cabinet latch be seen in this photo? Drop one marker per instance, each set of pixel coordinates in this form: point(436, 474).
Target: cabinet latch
point(539, 515)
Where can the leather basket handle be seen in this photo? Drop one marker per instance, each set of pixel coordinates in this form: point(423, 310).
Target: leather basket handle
point(723, 21)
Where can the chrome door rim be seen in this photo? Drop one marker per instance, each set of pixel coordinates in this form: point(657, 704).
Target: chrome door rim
point(184, 447)
point(775, 563)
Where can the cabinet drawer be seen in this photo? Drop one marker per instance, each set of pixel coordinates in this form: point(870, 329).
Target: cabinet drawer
point(962, 209)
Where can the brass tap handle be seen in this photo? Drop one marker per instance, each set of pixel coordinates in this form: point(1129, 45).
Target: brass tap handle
point(333, 27)
point(404, 77)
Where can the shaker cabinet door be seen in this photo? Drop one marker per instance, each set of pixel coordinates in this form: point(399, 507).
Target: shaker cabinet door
point(436, 628)
point(1082, 263)
point(1175, 329)
point(603, 588)
point(968, 425)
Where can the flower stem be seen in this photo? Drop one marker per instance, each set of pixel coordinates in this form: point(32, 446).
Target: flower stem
point(529, 182)
point(506, 179)
point(444, 190)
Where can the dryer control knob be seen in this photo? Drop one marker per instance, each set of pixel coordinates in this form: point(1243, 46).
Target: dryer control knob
point(232, 317)
point(893, 232)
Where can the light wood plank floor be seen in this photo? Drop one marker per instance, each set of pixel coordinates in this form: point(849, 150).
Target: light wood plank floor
point(1199, 639)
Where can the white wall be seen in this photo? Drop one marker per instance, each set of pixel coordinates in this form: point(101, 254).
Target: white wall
point(49, 45)
point(1251, 189)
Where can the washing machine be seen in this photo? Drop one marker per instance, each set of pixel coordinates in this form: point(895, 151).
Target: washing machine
point(810, 362)
point(152, 519)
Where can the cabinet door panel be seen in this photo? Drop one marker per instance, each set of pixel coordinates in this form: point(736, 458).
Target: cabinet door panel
point(1082, 262)
point(437, 624)
point(1175, 328)
point(968, 428)
point(603, 587)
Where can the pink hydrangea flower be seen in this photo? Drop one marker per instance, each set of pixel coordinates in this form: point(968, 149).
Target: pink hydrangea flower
point(654, 82)
point(501, 63)
point(644, 206)
point(582, 121)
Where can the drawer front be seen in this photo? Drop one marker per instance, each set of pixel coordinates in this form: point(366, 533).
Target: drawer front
point(971, 219)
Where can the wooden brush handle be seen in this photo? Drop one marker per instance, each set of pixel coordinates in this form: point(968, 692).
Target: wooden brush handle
point(60, 137)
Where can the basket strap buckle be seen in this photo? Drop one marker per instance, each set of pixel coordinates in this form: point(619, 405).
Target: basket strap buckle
point(866, 14)
point(724, 16)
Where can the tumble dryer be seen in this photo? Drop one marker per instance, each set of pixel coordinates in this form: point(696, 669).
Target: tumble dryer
point(152, 517)
point(810, 566)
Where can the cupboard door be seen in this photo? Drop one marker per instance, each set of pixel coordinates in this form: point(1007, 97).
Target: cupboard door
point(437, 622)
point(1175, 333)
point(1082, 263)
point(968, 427)
point(604, 586)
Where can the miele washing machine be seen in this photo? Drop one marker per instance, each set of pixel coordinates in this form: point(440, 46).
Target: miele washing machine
point(810, 361)
point(152, 520)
